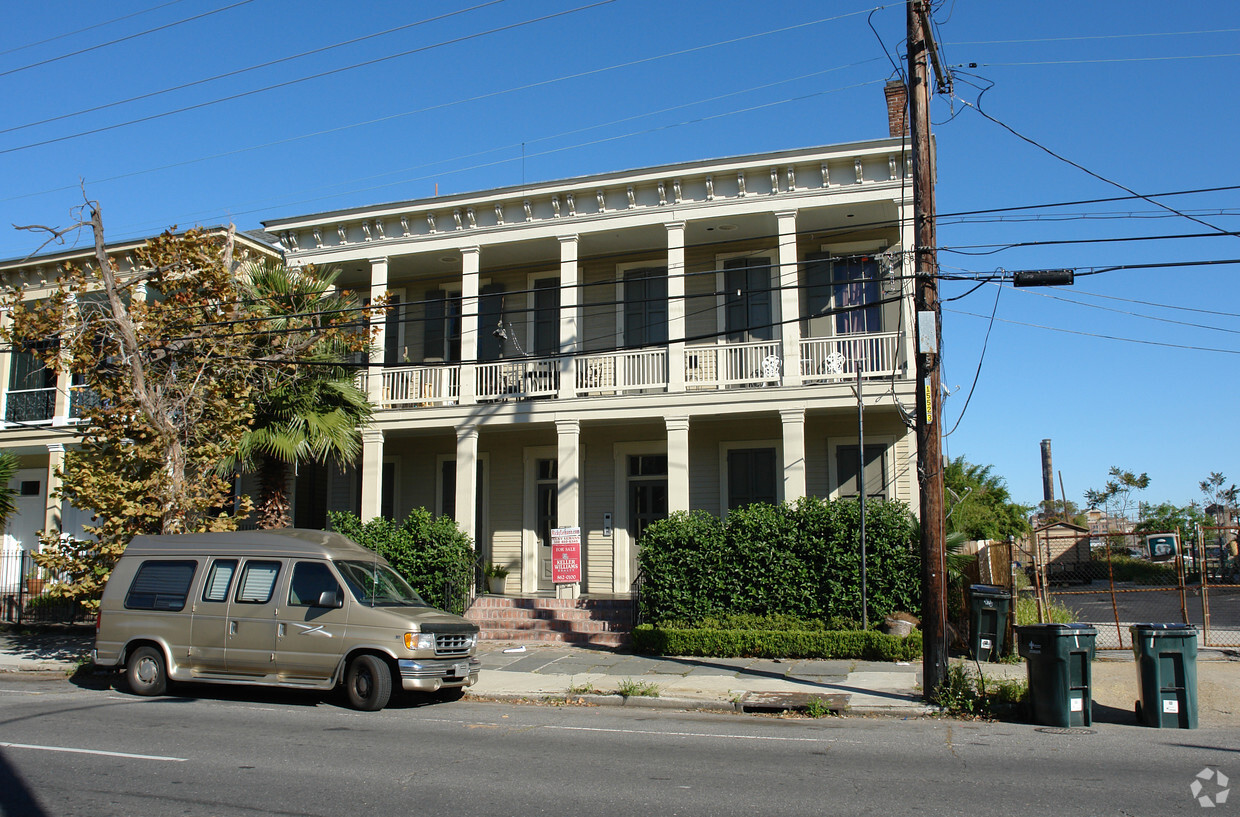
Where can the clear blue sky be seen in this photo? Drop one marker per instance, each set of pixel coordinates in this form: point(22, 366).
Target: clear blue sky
point(1135, 368)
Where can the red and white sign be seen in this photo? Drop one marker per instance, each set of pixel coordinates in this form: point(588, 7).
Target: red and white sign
point(565, 555)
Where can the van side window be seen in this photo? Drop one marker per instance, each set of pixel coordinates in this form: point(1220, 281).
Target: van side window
point(160, 585)
point(219, 578)
point(258, 580)
point(310, 581)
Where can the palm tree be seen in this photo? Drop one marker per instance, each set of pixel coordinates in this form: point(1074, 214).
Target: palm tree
point(9, 463)
point(312, 411)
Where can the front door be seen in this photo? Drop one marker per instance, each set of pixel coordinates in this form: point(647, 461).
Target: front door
point(252, 619)
point(647, 476)
point(546, 512)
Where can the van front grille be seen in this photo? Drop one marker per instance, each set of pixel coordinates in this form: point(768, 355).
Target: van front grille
point(453, 644)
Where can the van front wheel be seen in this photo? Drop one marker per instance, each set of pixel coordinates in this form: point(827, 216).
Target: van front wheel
point(145, 672)
point(368, 683)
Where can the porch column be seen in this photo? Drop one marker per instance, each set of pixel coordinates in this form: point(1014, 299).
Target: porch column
point(789, 300)
point(677, 463)
point(569, 298)
point(374, 373)
point(52, 516)
point(676, 307)
point(466, 510)
point(469, 336)
point(568, 491)
point(6, 367)
point(793, 421)
point(64, 380)
point(372, 474)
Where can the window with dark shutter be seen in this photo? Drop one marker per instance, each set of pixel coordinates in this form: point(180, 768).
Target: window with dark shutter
point(160, 585)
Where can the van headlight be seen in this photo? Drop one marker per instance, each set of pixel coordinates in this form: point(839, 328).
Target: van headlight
point(419, 641)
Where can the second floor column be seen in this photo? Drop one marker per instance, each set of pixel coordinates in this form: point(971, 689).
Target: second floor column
point(53, 516)
point(570, 340)
point(374, 372)
point(793, 422)
point(372, 474)
point(6, 367)
point(466, 510)
point(677, 463)
point(789, 299)
point(676, 306)
point(470, 260)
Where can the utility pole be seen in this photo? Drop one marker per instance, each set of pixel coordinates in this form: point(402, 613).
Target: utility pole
point(929, 337)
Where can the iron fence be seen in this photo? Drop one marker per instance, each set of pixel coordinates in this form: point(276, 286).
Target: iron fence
point(23, 592)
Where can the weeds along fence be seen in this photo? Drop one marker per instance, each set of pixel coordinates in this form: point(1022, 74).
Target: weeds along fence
point(23, 591)
point(1125, 578)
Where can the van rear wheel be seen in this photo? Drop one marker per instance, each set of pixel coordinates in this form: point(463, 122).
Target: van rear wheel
point(368, 683)
point(145, 672)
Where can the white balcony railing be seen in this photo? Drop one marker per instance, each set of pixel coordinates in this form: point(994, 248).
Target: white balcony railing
point(410, 386)
point(733, 364)
point(826, 359)
point(515, 379)
point(621, 372)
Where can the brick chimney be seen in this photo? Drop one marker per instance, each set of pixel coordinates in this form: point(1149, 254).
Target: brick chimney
point(897, 106)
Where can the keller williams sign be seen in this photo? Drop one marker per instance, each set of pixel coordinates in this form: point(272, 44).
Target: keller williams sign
point(565, 555)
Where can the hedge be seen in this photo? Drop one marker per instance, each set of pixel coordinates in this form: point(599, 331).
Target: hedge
point(869, 645)
point(800, 560)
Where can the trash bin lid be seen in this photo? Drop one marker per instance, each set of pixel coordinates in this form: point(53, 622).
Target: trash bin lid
point(988, 591)
point(1058, 629)
point(1165, 630)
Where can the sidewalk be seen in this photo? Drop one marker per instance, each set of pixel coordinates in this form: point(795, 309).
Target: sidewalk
point(600, 676)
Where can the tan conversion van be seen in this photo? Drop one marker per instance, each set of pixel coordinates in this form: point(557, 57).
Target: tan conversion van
point(291, 608)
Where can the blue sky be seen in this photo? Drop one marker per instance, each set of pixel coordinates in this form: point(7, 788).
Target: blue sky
point(1133, 367)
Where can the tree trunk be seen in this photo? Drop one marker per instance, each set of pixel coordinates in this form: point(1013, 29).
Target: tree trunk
point(273, 499)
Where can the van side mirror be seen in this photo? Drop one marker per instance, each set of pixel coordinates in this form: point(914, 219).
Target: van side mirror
point(330, 598)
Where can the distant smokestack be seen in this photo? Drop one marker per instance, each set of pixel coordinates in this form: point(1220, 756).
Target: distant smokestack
point(1048, 481)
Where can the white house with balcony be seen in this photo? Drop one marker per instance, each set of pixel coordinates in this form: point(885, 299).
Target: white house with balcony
point(599, 352)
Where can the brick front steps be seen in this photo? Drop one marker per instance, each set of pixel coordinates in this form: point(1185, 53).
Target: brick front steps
point(600, 622)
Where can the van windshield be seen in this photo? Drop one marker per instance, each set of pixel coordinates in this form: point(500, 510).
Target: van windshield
point(378, 585)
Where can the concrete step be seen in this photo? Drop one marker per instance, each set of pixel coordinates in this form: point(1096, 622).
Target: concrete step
point(601, 622)
point(538, 637)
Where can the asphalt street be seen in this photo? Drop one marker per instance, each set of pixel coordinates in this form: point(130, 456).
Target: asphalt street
point(68, 750)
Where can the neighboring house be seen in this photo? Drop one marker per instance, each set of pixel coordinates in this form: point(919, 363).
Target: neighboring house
point(41, 408)
point(605, 350)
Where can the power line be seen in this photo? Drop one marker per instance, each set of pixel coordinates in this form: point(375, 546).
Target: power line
point(127, 37)
point(89, 28)
point(240, 71)
point(992, 249)
point(307, 78)
point(1098, 37)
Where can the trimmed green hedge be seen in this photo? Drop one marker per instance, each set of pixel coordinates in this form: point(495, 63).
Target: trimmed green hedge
point(799, 560)
point(869, 645)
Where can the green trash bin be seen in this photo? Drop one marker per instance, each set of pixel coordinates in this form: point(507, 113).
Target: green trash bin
point(988, 613)
point(1058, 660)
point(1166, 656)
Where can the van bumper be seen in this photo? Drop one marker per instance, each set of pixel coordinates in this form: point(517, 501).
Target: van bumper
point(430, 674)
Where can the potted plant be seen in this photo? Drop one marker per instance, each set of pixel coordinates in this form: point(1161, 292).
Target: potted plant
point(496, 576)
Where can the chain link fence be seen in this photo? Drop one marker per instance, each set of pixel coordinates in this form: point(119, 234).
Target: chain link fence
point(1118, 579)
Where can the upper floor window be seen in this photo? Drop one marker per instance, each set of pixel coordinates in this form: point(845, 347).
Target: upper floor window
point(747, 299)
point(645, 306)
point(846, 289)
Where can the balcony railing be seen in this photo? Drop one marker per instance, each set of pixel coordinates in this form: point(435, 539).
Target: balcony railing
point(601, 374)
point(828, 359)
point(30, 406)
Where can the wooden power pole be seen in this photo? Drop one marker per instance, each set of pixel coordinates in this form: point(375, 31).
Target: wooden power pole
point(929, 336)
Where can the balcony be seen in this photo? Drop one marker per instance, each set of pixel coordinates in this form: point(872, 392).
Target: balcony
point(643, 371)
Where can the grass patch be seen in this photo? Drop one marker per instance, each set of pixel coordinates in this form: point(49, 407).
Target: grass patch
point(638, 689)
point(964, 695)
point(817, 708)
point(583, 689)
point(1054, 613)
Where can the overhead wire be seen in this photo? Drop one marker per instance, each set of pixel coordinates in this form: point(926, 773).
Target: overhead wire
point(92, 27)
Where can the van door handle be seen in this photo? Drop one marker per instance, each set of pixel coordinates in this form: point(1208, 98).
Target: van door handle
point(232, 628)
point(282, 629)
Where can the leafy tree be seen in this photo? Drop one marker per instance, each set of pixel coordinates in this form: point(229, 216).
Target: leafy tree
point(1165, 517)
point(1066, 510)
point(1116, 496)
point(1219, 496)
point(9, 464)
point(983, 508)
point(308, 410)
point(171, 357)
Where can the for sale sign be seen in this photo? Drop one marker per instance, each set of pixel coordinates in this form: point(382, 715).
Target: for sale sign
point(565, 555)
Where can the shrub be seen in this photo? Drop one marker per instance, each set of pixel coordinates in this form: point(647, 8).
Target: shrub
point(799, 560)
point(1053, 613)
point(429, 553)
point(1139, 571)
point(862, 644)
point(964, 695)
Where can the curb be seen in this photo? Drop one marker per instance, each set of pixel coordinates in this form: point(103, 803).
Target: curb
point(685, 704)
